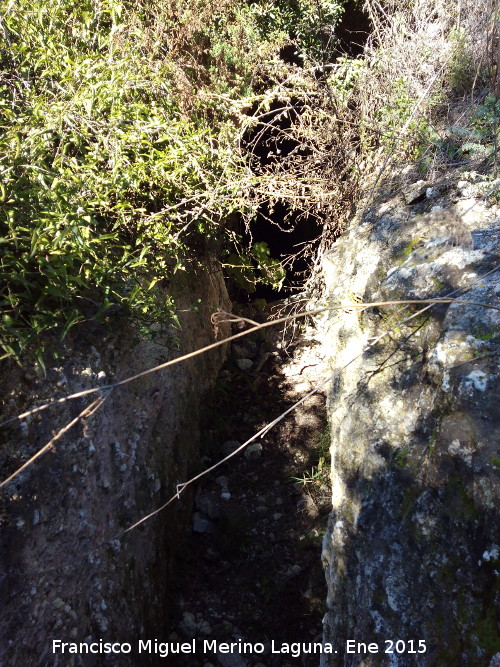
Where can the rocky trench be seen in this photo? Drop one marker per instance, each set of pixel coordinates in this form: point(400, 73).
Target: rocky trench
point(411, 546)
point(236, 557)
point(251, 570)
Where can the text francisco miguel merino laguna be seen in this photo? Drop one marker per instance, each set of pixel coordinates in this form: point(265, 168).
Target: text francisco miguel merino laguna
point(164, 649)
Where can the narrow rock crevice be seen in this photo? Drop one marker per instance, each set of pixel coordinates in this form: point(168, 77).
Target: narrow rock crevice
point(252, 569)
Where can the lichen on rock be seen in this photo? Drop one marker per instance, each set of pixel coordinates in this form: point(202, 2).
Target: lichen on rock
point(415, 431)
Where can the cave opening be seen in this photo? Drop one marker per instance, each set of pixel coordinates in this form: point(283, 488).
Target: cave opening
point(292, 239)
point(353, 30)
point(292, 236)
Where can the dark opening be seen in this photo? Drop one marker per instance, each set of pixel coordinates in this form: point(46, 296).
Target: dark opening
point(289, 54)
point(298, 244)
point(353, 30)
point(292, 238)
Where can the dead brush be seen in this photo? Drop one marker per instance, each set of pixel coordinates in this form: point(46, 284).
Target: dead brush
point(440, 42)
point(301, 147)
point(493, 46)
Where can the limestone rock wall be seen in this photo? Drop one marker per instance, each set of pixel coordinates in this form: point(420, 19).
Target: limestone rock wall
point(412, 548)
point(66, 570)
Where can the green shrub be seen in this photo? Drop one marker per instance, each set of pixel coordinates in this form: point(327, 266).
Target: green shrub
point(310, 24)
point(112, 168)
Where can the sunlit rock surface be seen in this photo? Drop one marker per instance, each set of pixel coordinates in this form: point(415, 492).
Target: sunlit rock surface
point(412, 548)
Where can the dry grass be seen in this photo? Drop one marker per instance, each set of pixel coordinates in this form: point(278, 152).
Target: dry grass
point(424, 61)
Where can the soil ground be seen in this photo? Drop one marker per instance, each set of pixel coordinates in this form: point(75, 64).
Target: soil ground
point(251, 569)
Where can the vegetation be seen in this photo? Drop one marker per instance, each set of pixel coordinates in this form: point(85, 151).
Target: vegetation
point(119, 151)
point(138, 134)
point(320, 473)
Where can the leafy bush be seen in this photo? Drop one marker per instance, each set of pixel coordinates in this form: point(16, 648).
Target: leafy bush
point(310, 24)
point(120, 150)
point(257, 262)
point(106, 181)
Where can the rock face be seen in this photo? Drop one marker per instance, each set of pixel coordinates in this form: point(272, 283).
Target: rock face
point(412, 548)
point(67, 570)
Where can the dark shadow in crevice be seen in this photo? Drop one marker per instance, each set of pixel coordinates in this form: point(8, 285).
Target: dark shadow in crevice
point(292, 236)
point(353, 30)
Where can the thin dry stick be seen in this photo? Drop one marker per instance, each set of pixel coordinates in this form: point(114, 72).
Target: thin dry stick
point(84, 414)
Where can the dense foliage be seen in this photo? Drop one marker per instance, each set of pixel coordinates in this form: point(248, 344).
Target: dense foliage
point(132, 134)
point(118, 149)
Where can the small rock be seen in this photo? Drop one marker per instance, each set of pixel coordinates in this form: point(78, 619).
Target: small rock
point(223, 481)
point(229, 446)
point(201, 523)
point(102, 622)
point(244, 364)
point(416, 192)
point(211, 555)
point(230, 660)
point(191, 627)
point(292, 571)
point(306, 503)
point(225, 495)
point(495, 660)
point(277, 516)
point(253, 451)
point(208, 507)
point(188, 627)
point(204, 627)
point(244, 349)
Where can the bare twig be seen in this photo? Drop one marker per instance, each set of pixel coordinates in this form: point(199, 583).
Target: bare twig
point(84, 414)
